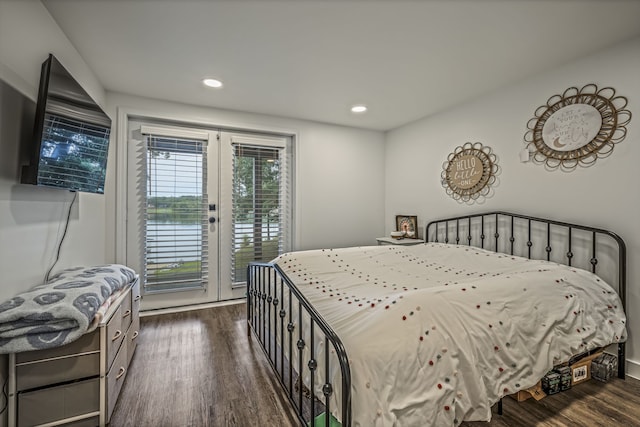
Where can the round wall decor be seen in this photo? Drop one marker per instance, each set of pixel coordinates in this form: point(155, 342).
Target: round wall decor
point(469, 172)
point(577, 127)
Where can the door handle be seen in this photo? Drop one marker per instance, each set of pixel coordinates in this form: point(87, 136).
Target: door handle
point(212, 220)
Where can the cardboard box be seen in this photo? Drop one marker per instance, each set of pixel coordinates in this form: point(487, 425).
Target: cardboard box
point(604, 367)
point(565, 377)
point(551, 382)
point(535, 392)
point(581, 370)
point(521, 396)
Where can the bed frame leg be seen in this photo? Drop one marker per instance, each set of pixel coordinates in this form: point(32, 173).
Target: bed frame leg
point(622, 360)
point(248, 301)
point(500, 406)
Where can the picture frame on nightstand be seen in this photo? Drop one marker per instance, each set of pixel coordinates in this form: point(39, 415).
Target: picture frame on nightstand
point(408, 224)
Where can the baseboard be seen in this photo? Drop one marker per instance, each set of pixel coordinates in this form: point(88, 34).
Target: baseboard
point(633, 369)
point(192, 307)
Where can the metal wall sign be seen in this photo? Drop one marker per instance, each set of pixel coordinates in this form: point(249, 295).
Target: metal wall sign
point(469, 172)
point(577, 127)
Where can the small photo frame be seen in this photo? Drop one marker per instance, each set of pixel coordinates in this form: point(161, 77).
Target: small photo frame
point(407, 224)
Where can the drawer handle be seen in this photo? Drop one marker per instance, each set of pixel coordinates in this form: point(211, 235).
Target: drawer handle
point(137, 298)
point(116, 335)
point(121, 372)
point(135, 335)
point(126, 313)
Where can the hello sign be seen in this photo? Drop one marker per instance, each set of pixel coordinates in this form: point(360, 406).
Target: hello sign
point(469, 172)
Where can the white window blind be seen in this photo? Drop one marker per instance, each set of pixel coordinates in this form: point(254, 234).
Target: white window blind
point(261, 205)
point(175, 215)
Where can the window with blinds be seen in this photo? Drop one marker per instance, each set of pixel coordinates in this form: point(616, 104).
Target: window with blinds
point(260, 206)
point(175, 214)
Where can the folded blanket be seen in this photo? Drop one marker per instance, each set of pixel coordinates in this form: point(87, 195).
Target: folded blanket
point(60, 311)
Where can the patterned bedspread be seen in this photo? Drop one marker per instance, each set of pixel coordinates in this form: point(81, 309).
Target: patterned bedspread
point(60, 311)
point(436, 334)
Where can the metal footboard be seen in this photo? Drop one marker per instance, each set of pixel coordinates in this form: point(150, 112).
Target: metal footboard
point(292, 333)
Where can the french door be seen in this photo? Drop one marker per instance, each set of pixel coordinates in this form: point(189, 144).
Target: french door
point(255, 198)
point(205, 204)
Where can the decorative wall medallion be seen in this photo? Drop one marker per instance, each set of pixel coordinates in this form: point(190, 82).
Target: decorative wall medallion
point(469, 172)
point(577, 127)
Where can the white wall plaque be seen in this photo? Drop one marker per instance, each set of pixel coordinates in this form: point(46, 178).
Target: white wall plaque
point(571, 127)
point(577, 127)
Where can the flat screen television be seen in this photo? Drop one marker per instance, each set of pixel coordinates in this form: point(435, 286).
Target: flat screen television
point(70, 137)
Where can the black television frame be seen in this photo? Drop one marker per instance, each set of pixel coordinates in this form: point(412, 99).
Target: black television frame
point(30, 172)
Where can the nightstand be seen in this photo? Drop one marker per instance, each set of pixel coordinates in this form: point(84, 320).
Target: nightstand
point(405, 241)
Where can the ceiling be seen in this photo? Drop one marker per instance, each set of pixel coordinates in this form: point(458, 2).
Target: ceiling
point(314, 59)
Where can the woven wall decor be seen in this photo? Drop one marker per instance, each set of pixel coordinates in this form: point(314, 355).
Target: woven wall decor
point(577, 127)
point(469, 172)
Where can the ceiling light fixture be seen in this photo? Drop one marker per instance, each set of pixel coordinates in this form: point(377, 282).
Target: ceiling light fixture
point(359, 108)
point(212, 83)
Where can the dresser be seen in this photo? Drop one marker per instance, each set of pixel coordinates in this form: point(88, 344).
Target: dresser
point(76, 384)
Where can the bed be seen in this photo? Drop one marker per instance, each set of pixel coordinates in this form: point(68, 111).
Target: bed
point(436, 334)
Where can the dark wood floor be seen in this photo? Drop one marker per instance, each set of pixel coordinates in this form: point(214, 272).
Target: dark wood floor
point(198, 368)
point(590, 404)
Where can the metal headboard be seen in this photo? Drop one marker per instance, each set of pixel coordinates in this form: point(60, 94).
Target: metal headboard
point(512, 233)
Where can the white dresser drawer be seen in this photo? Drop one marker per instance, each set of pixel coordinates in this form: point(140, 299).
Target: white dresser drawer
point(114, 335)
point(132, 338)
point(55, 403)
point(115, 379)
point(77, 360)
point(85, 344)
point(126, 312)
point(60, 370)
point(136, 298)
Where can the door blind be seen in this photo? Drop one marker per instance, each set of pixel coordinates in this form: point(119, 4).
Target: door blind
point(175, 214)
point(260, 206)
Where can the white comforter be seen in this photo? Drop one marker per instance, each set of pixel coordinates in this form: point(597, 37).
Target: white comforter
point(436, 333)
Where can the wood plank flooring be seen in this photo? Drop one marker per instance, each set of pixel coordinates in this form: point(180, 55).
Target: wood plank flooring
point(198, 368)
point(590, 404)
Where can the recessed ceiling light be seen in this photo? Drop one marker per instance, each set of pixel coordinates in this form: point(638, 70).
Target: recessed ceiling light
point(212, 83)
point(359, 108)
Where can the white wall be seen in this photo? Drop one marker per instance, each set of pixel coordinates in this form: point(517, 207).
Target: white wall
point(604, 195)
point(28, 34)
point(340, 175)
point(31, 218)
point(339, 170)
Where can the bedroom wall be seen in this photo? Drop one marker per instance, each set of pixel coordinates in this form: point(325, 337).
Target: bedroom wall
point(339, 189)
point(32, 218)
point(604, 195)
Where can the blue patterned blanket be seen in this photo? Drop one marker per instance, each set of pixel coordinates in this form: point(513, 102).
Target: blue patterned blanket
point(60, 311)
